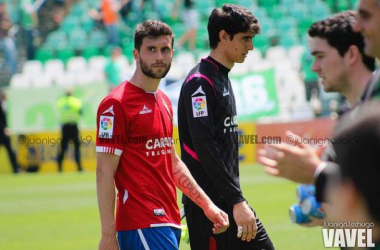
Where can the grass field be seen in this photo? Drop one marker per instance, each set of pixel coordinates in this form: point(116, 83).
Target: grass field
point(59, 211)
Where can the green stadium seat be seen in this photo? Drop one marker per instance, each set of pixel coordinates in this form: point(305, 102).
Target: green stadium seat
point(268, 27)
point(288, 3)
point(249, 4)
point(304, 25)
point(343, 5)
point(261, 42)
point(44, 54)
point(354, 4)
point(90, 51)
point(310, 2)
point(277, 12)
point(56, 39)
point(87, 24)
point(202, 41)
point(299, 12)
point(151, 15)
point(70, 23)
point(78, 39)
point(97, 38)
point(128, 50)
point(178, 29)
point(65, 54)
point(287, 40)
point(260, 13)
point(204, 8)
point(165, 8)
point(91, 3)
point(267, 4)
point(286, 25)
point(320, 11)
point(219, 3)
point(79, 10)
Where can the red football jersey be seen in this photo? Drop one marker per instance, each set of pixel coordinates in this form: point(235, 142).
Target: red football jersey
point(138, 127)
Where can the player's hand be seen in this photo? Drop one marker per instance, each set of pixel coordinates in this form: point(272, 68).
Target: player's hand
point(245, 218)
point(108, 243)
point(296, 162)
point(218, 217)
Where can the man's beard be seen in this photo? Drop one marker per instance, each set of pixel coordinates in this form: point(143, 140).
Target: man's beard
point(150, 73)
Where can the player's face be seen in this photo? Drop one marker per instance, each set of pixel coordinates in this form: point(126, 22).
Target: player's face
point(155, 56)
point(328, 64)
point(369, 24)
point(239, 47)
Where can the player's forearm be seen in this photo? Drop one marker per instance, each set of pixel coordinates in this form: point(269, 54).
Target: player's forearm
point(106, 201)
point(186, 183)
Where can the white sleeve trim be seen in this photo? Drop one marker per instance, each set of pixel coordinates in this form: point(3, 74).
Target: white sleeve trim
point(319, 169)
point(108, 150)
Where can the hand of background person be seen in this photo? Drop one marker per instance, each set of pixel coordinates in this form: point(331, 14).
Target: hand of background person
point(315, 222)
point(296, 162)
point(245, 218)
point(218, 217)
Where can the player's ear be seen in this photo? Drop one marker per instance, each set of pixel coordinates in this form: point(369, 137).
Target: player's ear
point(353, 54)
point(136, 54)
point(223, 36)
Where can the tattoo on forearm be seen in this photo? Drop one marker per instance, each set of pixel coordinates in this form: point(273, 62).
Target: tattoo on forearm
point(186, 183)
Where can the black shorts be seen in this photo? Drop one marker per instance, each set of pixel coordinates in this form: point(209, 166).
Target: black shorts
point(202, 238)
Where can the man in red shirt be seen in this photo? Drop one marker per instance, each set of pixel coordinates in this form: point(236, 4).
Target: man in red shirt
point(135, 153)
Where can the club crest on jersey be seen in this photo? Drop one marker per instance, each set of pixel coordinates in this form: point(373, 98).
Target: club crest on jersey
point(226, 92)
point(159, 212)
point(106, 126)
point(145, 110)
point(199, 104)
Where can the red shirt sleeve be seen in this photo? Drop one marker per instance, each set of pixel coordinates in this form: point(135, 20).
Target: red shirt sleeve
point(111, 127)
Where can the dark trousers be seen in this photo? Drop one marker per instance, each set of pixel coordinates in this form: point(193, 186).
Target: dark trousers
point(6, 141)
point(202, 238)
point(70, 133)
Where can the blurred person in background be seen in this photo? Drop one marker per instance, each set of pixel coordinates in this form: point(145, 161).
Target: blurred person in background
point(353, 186)
point(191, 21)
point(112, 69)
point(308, 171)
point(342, 65)
point(7, 43)
point(136, 153)
point(208, 132)
point(5, 140)
point(310, 78)
point(70, 112)
point(368, 25)
point(29, 25)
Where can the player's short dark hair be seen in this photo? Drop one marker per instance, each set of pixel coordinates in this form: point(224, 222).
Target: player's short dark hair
point(151, 29)
point(233, 19)
point(339, 33)
point(358, 156)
